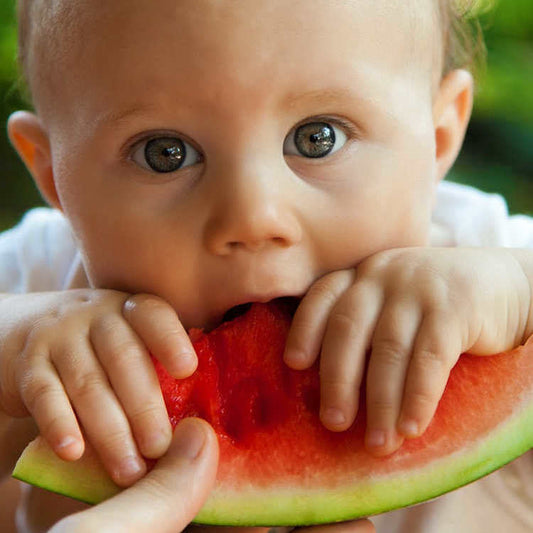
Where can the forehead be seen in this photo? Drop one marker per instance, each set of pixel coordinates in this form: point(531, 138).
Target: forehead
point(146, 46)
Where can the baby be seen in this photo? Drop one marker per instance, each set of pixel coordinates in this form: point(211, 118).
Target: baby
point(203, 154)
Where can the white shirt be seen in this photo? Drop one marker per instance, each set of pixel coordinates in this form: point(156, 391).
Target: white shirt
point(40, 254)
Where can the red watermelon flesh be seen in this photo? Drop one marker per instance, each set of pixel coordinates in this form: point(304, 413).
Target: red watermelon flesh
point(280, 466)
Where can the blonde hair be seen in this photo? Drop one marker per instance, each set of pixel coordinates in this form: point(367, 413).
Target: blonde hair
point(462, 37)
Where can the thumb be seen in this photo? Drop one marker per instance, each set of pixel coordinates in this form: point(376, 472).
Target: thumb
point(167, 498)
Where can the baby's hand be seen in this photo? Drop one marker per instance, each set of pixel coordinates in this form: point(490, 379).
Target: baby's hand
point(83, 356)
point(415, 311)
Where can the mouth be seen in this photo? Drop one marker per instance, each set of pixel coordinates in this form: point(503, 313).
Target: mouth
point(290, 302)
point(236, 311)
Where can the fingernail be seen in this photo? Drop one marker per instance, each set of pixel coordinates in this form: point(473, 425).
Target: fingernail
point(130, 467)
point(69, 448)
point(184, 364)
point(66, 442)
point(334, 416)
point(376, 438)
point(296, 359)
point(408, 428)
point(191, 438)
point(156, 443)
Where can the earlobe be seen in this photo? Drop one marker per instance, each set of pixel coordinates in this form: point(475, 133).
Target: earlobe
point(30, 139)
point(451, 114)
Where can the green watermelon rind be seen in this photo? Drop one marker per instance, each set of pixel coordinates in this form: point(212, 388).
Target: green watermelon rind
point(374, 496)
point(84, 480)
point(288, 506)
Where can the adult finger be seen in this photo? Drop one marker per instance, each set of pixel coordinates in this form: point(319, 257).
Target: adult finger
point(167, 498)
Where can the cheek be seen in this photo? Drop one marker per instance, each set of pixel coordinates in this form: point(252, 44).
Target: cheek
point(385, 203)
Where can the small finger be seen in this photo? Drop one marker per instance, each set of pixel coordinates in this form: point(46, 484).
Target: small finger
point(158, 325)
point(99, 411)
point(310, 320)
point(392, 346)
point(168, 497)
point(133, 378)
point(343, 356)
point(46, 400)
point(436, 351)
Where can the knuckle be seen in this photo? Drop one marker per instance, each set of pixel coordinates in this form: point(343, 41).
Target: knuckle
point(323, 290)
point(105, 325)
point(125, 352)
point(36, 391)
point(344, 324)
point(115, 441)
point(421, 399)
point(389, 352)
point(39, 331)
point(338, 391)
point(147, 413)
point(166, 341)
point(430, 362)
point(109, 335)
point(382, 406)
point(336, 383)
point(376, 262)
point(86, 385)
point(53, 425)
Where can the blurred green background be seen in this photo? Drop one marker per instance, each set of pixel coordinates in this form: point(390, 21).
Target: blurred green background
point(498, 151)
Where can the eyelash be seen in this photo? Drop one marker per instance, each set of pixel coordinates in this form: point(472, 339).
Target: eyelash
point(352, 133)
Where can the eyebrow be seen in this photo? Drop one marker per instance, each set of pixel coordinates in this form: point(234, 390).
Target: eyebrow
point(327, 97)
point(320, 97)
point(122, 115)
point(343, 97)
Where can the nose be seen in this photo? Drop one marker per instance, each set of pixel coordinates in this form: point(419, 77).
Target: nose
point(251, 212)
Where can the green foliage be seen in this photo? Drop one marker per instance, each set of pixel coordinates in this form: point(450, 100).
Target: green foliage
point(498, 151)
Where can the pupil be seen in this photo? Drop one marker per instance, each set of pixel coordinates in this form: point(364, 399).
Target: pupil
point(315, 139)
point(165, 154)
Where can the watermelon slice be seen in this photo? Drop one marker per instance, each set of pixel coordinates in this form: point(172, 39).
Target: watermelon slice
point(280, 466)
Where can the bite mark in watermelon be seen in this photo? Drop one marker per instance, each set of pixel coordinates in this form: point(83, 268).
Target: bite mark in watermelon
point(280, 466)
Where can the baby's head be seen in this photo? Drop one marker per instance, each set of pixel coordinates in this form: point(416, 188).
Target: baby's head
point(217, 152)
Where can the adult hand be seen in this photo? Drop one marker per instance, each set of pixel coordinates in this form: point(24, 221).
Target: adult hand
point(167, 498)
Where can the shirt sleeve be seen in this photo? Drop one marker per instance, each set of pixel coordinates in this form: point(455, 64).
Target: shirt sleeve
point(476, 218)
point(37, 254)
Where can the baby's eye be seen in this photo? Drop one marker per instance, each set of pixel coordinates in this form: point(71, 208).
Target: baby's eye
point(314, 139)
point(165, 154)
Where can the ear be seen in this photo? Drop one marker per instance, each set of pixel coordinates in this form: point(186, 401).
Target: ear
point(451, 114)
point(29, 137)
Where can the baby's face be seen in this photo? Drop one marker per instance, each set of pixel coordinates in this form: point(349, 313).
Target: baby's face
point(220, 152)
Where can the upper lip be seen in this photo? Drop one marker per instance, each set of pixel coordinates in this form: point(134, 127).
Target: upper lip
point(219, 313)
